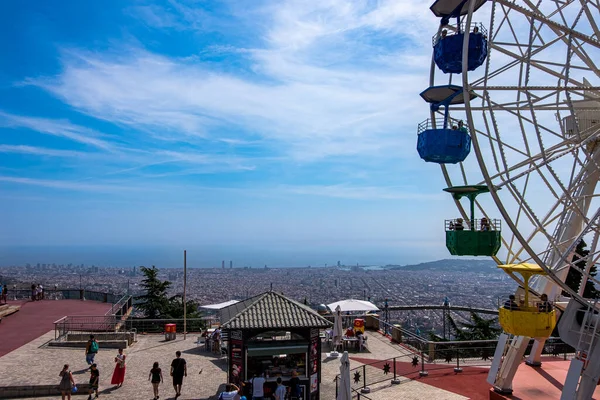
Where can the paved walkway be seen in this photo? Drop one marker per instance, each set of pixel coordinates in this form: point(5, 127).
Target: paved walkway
point(35, 363)
point(37, 317)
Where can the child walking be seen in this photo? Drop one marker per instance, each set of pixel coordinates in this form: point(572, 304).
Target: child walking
point(156, 378)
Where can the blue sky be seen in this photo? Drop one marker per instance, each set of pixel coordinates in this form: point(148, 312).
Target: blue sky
point(271, 126)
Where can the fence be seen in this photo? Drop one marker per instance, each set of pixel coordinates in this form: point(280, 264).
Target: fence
point(437, 356)
point(143, 325)
point(84, 324)
point(65, 294)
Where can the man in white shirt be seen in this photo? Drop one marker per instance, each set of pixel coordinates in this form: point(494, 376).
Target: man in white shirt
point(258, 383)
point(280, 391)
point(230, 392)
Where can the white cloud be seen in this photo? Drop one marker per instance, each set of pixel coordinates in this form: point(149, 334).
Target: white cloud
point(41, 151)
point(308, 110)
point(61, 128)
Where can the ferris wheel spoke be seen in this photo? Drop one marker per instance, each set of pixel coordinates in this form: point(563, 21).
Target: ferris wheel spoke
point(549, 22)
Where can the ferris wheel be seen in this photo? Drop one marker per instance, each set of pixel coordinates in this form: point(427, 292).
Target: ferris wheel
point(515, 111)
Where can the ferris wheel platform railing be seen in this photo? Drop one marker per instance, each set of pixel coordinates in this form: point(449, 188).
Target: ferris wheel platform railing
point(452, 29)
point(438, 124)
point(479, 239)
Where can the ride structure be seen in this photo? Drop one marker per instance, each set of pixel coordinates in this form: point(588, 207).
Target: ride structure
point(482, 237)
point(533, 118)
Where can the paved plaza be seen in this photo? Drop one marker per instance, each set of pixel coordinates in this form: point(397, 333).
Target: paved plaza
point(36, 363)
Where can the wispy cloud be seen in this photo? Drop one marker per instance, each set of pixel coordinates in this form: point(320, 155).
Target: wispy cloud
point(61, 128)
point(355, 192)
point(308, 109)
point(69, 185)
point(41, 151)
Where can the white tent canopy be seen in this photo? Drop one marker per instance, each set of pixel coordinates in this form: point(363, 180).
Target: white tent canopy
point(353, 305)
point(220, 305)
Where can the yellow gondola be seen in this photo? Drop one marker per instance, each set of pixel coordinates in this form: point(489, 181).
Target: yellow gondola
point(526, 319)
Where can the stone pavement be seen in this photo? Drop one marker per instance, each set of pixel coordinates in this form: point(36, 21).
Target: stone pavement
point(35, 363)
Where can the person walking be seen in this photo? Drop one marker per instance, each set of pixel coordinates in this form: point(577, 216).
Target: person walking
point(280, 391)
point(66, 382)
point(295, 386)
point(258, 387)
point(156, 378)
point(178, 371)
point(94, 381)
point(91, 349)
point(119, 373)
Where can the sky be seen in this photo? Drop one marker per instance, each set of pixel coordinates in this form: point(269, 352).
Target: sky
point(279, 131)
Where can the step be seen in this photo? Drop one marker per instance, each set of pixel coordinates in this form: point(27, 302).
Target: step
point(6, 310)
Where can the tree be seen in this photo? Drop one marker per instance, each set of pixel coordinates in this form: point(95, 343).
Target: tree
point(580, 260)
point(154, 303)
point(478, 329)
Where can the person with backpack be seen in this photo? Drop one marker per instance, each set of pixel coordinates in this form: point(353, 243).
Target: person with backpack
point(91, 349)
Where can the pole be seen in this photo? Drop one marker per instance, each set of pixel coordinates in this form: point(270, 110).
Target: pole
point(184, 287)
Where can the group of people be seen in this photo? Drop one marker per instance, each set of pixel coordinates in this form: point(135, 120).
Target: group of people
point(213, 341)
point(543, 305)
point(293, 391)
point(178, 371)
point(37, 292)
point(444, 32)
point(67, 383)
point(457, 225)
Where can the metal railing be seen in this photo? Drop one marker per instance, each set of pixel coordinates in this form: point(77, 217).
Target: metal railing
point(84, 324)
point(121, 307)
point(429, 356)
point(486, 225)
point(65, 294)
point(438, 123)
point(452, 29)
point(144, 325)
point(439, 351)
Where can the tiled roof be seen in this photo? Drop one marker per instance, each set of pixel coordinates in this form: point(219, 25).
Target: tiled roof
point(270, 310)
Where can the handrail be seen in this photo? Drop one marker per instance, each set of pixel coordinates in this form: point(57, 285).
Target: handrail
point(119, 305)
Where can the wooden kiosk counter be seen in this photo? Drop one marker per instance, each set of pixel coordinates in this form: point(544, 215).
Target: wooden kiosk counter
point(274, 336)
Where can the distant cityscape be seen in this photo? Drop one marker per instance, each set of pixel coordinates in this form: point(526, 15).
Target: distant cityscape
point(474, 283)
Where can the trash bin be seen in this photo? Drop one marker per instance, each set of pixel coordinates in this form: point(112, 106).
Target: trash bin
point(170, 331)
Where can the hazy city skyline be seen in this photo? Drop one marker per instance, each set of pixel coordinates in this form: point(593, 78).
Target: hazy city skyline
point(198, 257)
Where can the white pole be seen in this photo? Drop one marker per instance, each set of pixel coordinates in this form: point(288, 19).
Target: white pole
point(184, 300)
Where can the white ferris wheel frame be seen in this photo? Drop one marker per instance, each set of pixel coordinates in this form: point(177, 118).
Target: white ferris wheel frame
point(568, 203)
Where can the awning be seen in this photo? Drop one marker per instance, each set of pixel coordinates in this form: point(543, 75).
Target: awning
point(269, 351)
point(220, 305)
point(353, 305)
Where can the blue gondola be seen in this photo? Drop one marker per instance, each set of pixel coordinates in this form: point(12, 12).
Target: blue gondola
point(438, 142)
point(442, 146)
point(448, 51)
